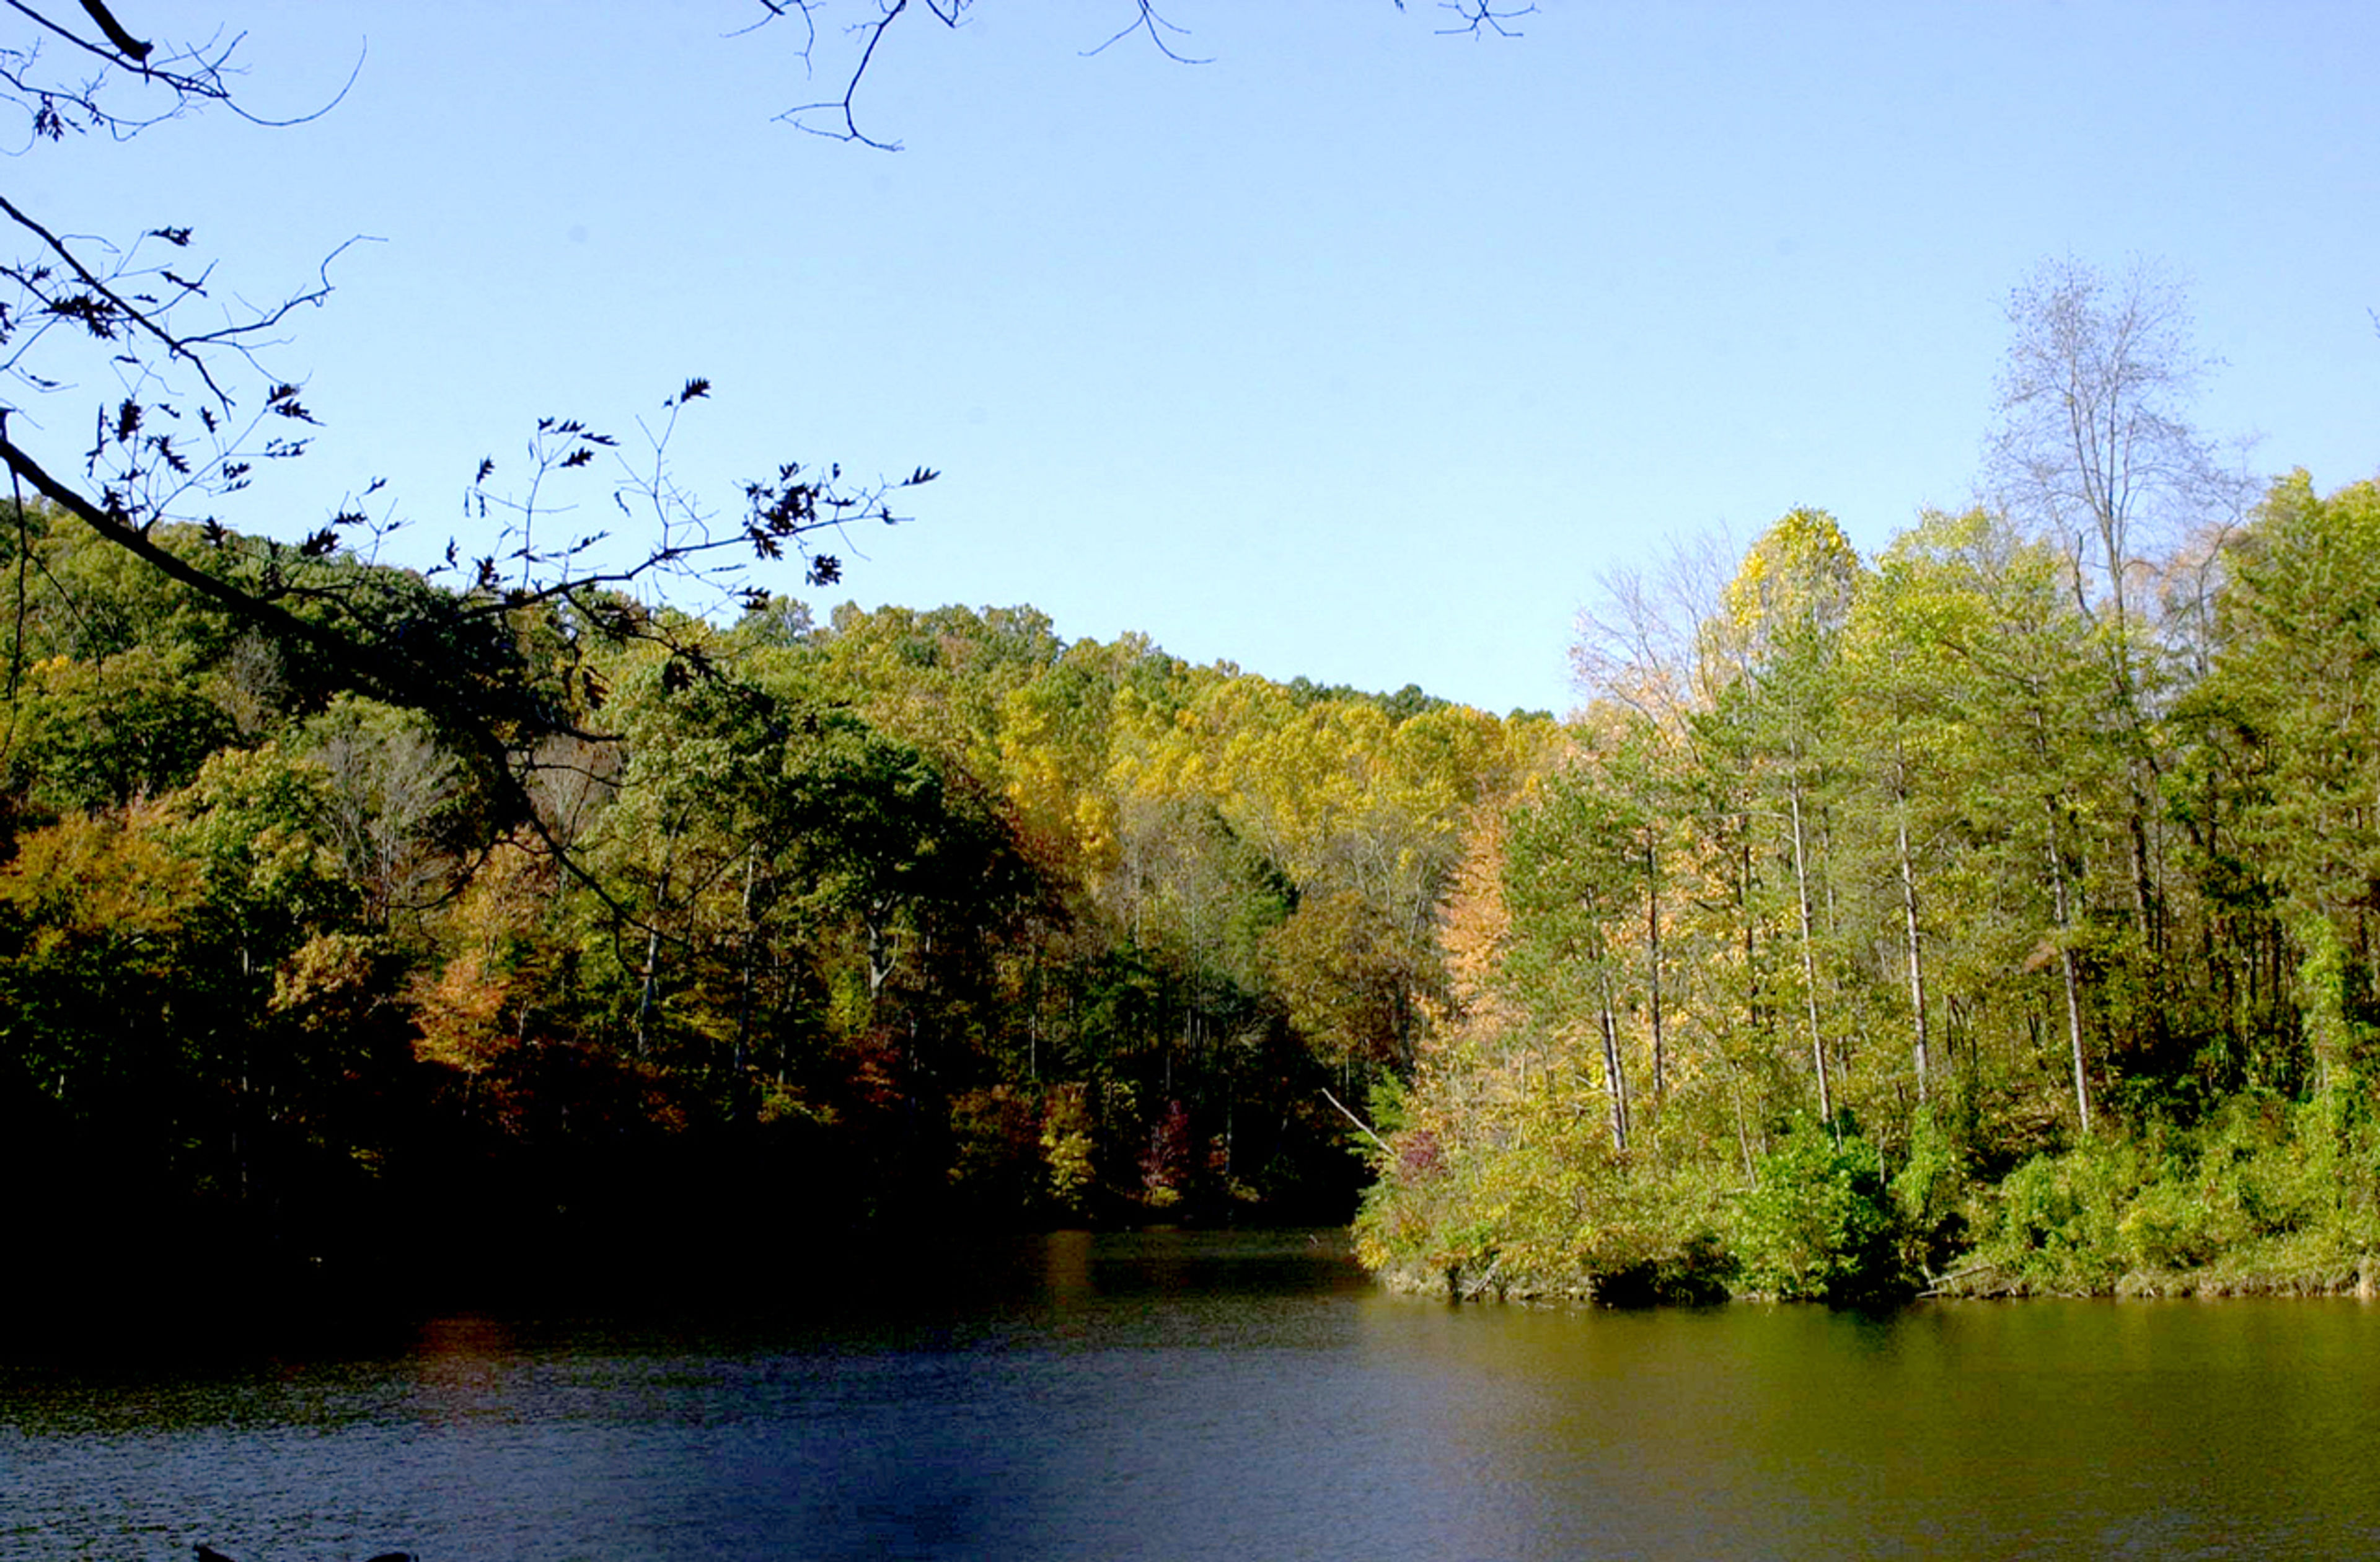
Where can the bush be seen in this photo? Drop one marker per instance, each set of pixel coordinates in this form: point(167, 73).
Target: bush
point(1820, 1225)
point(2170, 1226)
point(2059, 1217)
point(1929, 1193)
point(1066, 1148)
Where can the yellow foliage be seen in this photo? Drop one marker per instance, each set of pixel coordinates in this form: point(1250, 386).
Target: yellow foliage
point(460, 1011)
point(781, 1103)
point(99, 877)
point(1472, 934)
point(326, 980)
point(1801, 571)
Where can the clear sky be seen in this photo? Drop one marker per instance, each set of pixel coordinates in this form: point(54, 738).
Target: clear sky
point(1357, 353)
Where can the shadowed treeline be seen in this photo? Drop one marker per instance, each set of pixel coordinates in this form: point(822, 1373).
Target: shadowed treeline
point(903, 920)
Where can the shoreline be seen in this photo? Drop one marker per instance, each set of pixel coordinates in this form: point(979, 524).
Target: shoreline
point(1984, 1282)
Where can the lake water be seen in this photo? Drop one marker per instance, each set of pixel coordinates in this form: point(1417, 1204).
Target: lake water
point(1241, 1396)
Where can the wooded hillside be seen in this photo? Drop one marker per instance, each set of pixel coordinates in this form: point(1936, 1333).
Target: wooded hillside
point(902, 918)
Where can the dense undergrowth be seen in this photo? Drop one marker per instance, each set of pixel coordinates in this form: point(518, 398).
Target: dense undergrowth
point(2264, 1195)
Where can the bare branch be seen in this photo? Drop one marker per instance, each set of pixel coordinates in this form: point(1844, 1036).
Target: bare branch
point(873, 32)
point(2092, 444)
point(1148, 21)
point(1477, 17)
point(1480, 17)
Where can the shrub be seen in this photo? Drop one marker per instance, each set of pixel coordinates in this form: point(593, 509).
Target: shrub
point(1819, 1224)
point(2170, 1226)
point(2058, 1217)
point(1928, 1193)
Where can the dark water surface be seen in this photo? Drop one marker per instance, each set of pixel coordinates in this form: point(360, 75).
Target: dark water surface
point(1242, 1395)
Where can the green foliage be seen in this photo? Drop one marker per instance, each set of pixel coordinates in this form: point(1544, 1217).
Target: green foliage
point(1532, 1201)
point(1929, 1196)
point(2071, 904)
point(908, 914)
point(2261, 1192)
point(1820, 1225)
point(100, 734)
point(2058, 1218)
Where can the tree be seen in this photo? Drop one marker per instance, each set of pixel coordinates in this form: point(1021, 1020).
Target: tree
point(2296, 695)
point(2092, 446)
point(2000, 691)
point(1786, 609)
point(1571, 865)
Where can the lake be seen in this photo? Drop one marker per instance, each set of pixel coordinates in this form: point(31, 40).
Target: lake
point(1179, 1394)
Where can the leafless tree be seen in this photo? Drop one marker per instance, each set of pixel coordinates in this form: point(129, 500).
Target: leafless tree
point(2093, 446)
point(2093, 440)
point(1642, 642)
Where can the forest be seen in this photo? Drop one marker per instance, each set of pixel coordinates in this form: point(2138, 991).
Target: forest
point(1987, 913)
point(1993, 914)
point(905, 922)
point(1923, 924)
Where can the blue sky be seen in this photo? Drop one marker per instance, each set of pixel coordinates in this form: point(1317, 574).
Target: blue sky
point(1357, 353)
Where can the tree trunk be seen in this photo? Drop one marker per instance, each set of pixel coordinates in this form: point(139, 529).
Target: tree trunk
point(645, 988)
point(1653, 967)
point(880, 949)
point(747, 981)
point(1909, 929)
point(1615, 1082)
point(2067, 969)
point(1810, 966)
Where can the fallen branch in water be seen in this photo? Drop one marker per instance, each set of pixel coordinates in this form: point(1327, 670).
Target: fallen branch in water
point(1487, 1281)
point(1934, 1283)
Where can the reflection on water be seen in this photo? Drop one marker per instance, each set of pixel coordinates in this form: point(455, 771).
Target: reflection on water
point(1179, 1395)
point(2048, 1428)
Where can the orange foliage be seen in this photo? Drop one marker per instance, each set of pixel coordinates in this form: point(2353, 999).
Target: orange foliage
point(460, 1010)
point(1472, 934)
